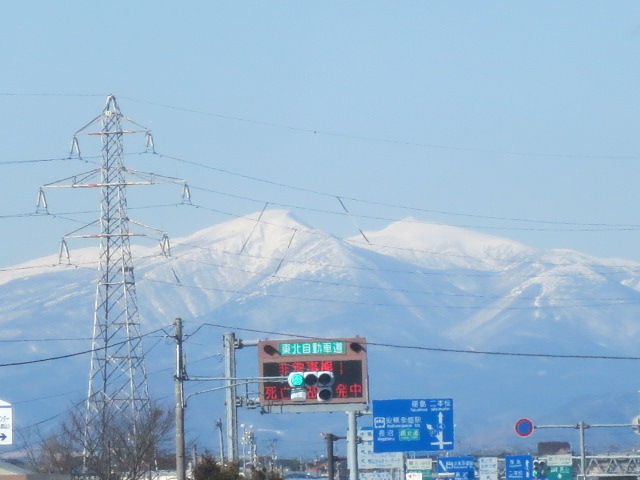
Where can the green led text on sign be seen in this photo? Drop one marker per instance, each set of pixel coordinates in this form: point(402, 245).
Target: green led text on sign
point(313, 348)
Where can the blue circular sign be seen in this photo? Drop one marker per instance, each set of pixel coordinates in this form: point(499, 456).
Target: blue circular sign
point(524, 427)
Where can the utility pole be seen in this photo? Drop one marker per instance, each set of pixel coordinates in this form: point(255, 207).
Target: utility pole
point(331, 458)
point(582, 426)
point(229, 344)
point(352, 445)
point(179, 384)
point(221, 435)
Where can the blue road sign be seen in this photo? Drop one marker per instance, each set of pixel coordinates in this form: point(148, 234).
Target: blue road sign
point(518, 467)
point(461, 467)
point(413, 425)
point(524, 427)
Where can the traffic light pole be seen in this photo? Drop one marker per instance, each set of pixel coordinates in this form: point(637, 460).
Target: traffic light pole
point(331, 458)
point(582, 426)
point(352, 445)
point(229, 343)
point(179, 388)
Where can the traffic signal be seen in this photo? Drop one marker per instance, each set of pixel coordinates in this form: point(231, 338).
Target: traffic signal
point(295, 379)
point(298, 390)
point(301, 381)
point(310, 379)
point(543, 469)
point(539, 469)
point(325, 381)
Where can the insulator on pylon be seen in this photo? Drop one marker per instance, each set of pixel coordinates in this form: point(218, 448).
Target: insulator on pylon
point(150, 144)
point(41, 207)
point(165, 246)
point(64, 250)
point(186, 194)
point(75, 147)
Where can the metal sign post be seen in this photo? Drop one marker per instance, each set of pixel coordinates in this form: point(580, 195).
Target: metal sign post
point(582, 426)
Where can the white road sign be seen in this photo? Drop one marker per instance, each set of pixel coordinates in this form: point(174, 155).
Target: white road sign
point(419, 464)
point(559, 460)
point(6, 423)
point(488, 468)
point(367, 459)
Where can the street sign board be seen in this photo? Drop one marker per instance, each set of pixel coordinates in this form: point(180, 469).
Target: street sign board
point(413, 425)
point(462, 468)
point(6, 423)
point(419, 464)
point(488, 468)
point(345, 358)
point(524, 427)
point(368, 459)
point(422, 467)
point(559, 472)
point(376, 475)
point(518, 467)
point(560, 460)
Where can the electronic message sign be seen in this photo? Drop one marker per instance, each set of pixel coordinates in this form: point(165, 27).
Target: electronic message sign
point(321, 374)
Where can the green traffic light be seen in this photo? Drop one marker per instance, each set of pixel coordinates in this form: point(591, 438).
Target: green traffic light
point(296, 379)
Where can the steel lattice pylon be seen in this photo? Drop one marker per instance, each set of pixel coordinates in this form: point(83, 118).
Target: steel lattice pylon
point(118, 396)
point(117, 379)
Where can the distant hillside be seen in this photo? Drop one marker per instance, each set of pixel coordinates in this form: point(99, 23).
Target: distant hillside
point(447, 312)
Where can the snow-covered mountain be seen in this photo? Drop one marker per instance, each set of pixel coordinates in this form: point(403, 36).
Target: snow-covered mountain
point(447, 312)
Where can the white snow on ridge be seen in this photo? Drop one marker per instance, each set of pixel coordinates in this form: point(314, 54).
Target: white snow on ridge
point(435, 245)
point(417, 284)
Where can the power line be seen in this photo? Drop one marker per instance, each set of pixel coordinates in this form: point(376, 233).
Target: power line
point(586, 227)
point(279, 276)
point(51, 94)
point(393, 305)
point(406, 249)
point(75, 354)
point(23, 340)
point(583, 226)
point(432, 146)
point(418, 271)
point(381, 204)
point(329, 133)
point(437, 349)
point(315, 232)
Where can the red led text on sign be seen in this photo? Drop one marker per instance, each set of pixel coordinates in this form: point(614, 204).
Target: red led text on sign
point(348, 382)
point(346, 358)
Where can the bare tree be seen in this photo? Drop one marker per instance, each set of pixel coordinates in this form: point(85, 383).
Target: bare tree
point(120, 449)
point(50, 454)
point(209, 469)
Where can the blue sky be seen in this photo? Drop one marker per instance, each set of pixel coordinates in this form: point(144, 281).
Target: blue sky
point(518, 119)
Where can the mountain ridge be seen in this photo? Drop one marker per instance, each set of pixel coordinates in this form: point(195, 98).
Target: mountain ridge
point(426, 304)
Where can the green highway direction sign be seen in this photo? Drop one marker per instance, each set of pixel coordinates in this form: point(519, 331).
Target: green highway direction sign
point(559, 472)
point(317, 347)
point(419, 469)
point(559, 467)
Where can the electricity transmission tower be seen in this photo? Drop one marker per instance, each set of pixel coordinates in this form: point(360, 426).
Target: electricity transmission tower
point(118, 392)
